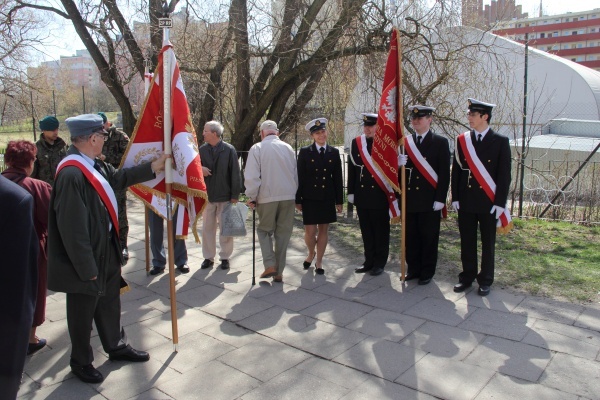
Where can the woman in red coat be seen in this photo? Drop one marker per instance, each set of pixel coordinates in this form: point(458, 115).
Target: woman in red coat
point(20, 157)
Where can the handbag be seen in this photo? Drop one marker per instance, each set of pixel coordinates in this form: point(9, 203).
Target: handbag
point(233, 219)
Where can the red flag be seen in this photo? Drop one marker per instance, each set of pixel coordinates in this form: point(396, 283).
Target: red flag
point(389, 121)
point(188, 189)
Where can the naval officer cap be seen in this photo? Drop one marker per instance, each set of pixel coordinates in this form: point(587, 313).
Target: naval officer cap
point(369, 119)
point(316, 125)
point(48, 123)
point(418, 110)
point(85, 124)
point(480, 106)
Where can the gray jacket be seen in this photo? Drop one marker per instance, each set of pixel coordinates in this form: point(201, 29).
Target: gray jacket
point(225, 181)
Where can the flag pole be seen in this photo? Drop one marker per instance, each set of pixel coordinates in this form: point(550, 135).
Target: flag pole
point(146, 209)
point(403, 169)
point(166, 23)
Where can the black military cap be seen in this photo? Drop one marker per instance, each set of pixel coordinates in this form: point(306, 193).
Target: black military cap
point(476, 105)
point(420, 110)
point(369, 119)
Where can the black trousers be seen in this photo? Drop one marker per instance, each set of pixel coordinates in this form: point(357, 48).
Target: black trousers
point(467, 225)
point(105, 311)
point(375, 230)
point(422, 237)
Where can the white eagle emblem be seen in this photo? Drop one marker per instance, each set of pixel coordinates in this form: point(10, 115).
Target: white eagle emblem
point(388, 109)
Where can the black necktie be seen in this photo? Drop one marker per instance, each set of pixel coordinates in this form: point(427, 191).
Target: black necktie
point(97, 167)
point(479, 138)
point(322, 152)
point(419, 140)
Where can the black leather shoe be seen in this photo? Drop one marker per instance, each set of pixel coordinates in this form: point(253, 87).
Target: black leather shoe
point(424, 281)
point(87, 374)
point(125, 253)
point(129, 354)
point(157, 270)
point(376, 271)
point(483, 290)
point(34, 347)
point(319, 271)
point(184, 269)
point(362, 270)
point(410, 277)
point(461, 287)
point(206, 264)
point(224, 264)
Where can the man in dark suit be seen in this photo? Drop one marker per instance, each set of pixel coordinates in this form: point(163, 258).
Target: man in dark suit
point(18, 286)
point(371, 203)
point(473, 197)
point(428, 178)
point(84, 251)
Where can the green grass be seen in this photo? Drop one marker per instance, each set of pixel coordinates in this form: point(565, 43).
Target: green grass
point(552, 259)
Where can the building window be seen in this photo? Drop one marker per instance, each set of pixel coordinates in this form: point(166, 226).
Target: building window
point(573, 46)
point(574, 59)
point(555, 34)
point(579, 59)
point(548, 48)
point(566, 19)
point(574, 33)
point(542, 35)
point(581, 32)
point(555, 47)
point(593, 30)
point(545, 22)
point(579, 45)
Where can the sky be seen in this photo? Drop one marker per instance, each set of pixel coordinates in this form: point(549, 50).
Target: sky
point(66, 40)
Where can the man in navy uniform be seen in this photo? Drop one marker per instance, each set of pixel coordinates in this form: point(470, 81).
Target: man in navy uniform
point(428, 178)
point(371, 202)
point(470, 198)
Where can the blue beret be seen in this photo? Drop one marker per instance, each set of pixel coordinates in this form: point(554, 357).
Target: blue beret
point(48, 123)
point(84, 124)
point(104, 118)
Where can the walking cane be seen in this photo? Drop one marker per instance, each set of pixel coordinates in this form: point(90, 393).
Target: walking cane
point(254, 245)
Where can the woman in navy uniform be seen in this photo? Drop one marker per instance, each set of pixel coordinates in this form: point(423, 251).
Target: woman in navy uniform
point(319, 194)
point(371, 204)
point(474, 207)
point(424, 202)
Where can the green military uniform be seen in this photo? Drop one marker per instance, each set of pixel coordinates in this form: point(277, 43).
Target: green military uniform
point(114, 149)
point(47, 159)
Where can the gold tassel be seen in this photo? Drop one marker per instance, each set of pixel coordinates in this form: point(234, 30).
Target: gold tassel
point(124, 286)
point(503, 230)
point(396, 220)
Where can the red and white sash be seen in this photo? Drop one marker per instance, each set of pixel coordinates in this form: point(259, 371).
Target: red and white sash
point(98, 182)
point(361, 142)
point(481, 175)
point(422, 165)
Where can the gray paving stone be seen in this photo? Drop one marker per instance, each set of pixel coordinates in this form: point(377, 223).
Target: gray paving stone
point(200, 296)
point(56, 311)
point(194, 350)
point(294, 298)
point(230, 333)
point(380, 357)
point(548, 309)
point(589, 319)
point(337, 311)
point(573, 375)
point(160, 283)
point(377, 388)
point(306, 279)
point(263, 359)
point(277, 322)
point(263, 288)
point(152, 394)
point(135, 293)
point(385, 324)
point(143, 338)
point(296, 384)
point(333, 372)
point(234, 306)
point(346, 289)
point(564, 339)
point(443, 340)
point(499, 300)
point(28, 385)
point(73, 389)
point(390, 299)
point(446, 378)
point(441, 310)
point(513, 388)
point(440, 290)
point(323, 339)
point(510, 358)
point(497, 323)
point(133, 312)
point(213, 380)
point(188, 321)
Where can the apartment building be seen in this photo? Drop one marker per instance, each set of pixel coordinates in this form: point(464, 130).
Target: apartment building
point(574, 36)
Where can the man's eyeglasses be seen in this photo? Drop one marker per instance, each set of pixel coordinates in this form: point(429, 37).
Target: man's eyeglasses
point(473, 113)
point(102, 134)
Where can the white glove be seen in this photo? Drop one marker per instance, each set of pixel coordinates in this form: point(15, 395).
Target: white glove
point(498, 210)
point(455, 205)
point(437, 206)
point(402, 160)
point(350, 198)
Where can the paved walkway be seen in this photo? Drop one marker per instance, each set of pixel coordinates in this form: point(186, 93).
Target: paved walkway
point(337, 336)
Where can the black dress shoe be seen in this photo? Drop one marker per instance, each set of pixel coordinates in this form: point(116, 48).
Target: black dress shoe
point(306, 264)
point(207, 264)
point(461, 287)
point(410, 277)
point(157, 270)
point(183, 268)
point(483, 290)
point(87, 374)
point(224, 264)
point(376, 271)
point(362, 270)
point(319, 271)
point(33, 347)
point(125, 253)
point(129, 354)
point(424, 281)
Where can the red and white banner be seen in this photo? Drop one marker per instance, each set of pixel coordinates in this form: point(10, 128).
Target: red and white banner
point(483, 177)
point(389, 119)
point(147, 142)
